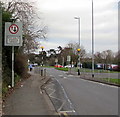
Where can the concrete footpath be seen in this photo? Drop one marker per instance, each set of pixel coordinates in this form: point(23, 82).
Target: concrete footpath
point(28, 99)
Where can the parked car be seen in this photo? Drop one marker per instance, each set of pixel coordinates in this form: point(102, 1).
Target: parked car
point(58, 66)
point(113, 67)
point(100, 66)
point(69, 66)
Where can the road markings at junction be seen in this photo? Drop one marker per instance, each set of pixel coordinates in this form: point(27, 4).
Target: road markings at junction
point(70, 75)
point(62, 105)
point(67, 111)
point(53, 91)
point(65, 77)
point(60, 75)
point(50, 87)
point(67, 97)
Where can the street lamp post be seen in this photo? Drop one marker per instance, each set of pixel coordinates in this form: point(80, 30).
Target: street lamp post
point(78, 18)
point(42, 54)
point(92, 42)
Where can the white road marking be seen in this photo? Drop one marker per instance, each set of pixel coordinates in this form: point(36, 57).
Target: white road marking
point(50, 85)
point(60, 75)
point(65, 95)
point(40, 90)
point(63, 101)
point(61, 106)
point(69, 111)
point(70, 75)
point(56, 98)
point(52, 92)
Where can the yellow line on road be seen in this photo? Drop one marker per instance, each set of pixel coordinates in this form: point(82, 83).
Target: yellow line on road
point(63, 114)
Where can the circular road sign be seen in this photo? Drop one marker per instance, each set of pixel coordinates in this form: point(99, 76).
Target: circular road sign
point(13, 29)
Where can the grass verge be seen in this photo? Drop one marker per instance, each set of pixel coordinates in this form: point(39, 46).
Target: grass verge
point(62, 69)
point(111, 80)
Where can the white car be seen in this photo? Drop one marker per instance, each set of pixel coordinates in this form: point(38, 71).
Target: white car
point(69, 66)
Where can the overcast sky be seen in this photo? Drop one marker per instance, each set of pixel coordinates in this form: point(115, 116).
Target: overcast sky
point(59, 15)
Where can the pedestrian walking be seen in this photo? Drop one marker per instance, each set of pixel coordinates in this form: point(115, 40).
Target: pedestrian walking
point(30, 67)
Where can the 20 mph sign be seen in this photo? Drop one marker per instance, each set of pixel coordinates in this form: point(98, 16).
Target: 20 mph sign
point(13, 34)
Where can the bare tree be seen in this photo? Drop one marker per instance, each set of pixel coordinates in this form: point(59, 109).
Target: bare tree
point(25, 12)
point(107, 56)
point(98, 57)
point(74, 47)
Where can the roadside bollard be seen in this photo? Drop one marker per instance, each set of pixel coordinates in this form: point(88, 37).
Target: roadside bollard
point(78, 71)
point(44, 73)
point(41, 72)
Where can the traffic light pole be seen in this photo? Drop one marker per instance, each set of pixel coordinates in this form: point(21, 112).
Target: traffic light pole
point(79, 46)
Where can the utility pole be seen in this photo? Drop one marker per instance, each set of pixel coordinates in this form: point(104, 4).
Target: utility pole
point(92, 41)
point(1, 57)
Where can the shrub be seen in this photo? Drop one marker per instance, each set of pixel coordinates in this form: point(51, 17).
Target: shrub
point(21, 66)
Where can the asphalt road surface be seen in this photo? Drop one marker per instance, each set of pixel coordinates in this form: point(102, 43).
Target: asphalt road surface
point(85, 97)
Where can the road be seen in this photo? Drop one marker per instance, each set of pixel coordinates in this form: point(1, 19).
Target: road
point(85, 97)
point(98, 74)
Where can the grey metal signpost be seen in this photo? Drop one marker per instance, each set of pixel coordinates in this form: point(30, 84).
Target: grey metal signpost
point(13, 37)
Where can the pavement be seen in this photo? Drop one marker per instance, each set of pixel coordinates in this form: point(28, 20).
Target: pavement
point(29, 99)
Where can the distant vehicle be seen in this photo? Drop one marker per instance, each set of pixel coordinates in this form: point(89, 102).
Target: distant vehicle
point(100, 66)
point(35, 64)
point(69, 66)
point(58, 66)
point(113, 67)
